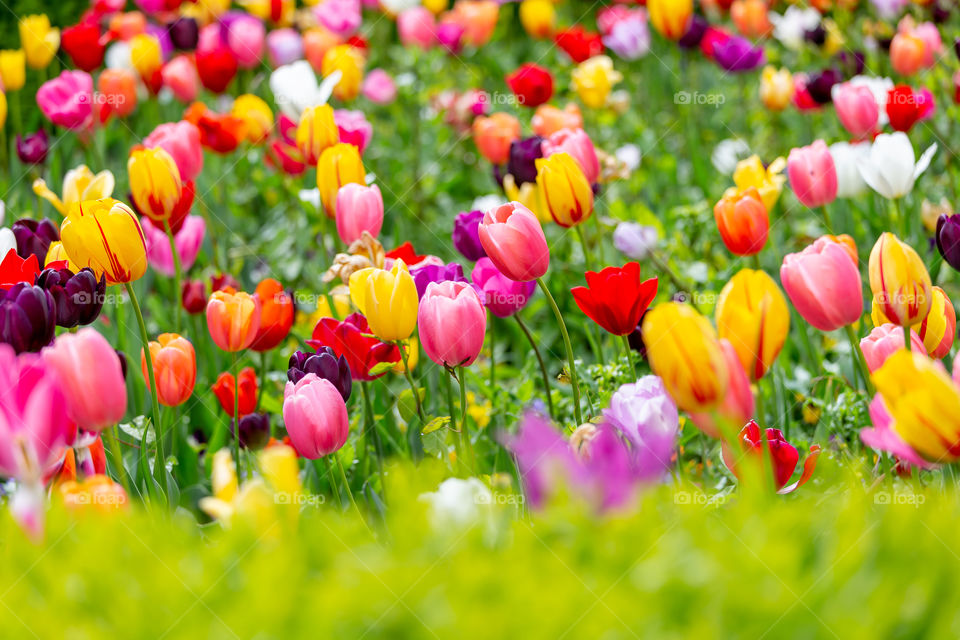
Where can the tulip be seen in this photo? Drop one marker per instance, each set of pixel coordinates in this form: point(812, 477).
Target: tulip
point(175, 368)
point(577, 143)
point(948, 239)
point(635, 240)
point(494, 134)
point(883, 437)
point(155, 183)
point(254, 431)
point(256, 116)
point(218, 132)
point(501, 295)
point(593, 79)
point(478, 18)
point(890, 170)
point(685, 353)
point(388, 299)
point(903, 108)
point(514, 241)
point(938, 327)
point(452, 323)
point(616, 298)
point(349, 62)
point(244, 35)
point(188, 239)
point(548, 119)
point(181, 77)
point(32, 149)
point(184, 33)
point(294, 87)
point(522, 163)
point(783, 456)
point(416, 27)
point(82, 43)
point(353, 128)
point(531, 84)
point(27, 317)
point(39, 40)
point(670, 18)
point(751, 18)
point(78, 297)
point(924, 404)
point(907, 53)
point(182, 141)
point(324, 364)
point(146, 56)
point(752, 314)
point(424, 275)
point(738, 405)
point(216, 68)
point(538, 18)
point(776, 88)
point(13, 72)
point(33, 237)
point(78, 185)
point(34, 433)
point(766, 180)
point(885, 340)
point(14, 269)
point(316, 132)
point(564, 189)
point(276, 315)
point(105, 236)
point(225, 389)
point(233, 319)
point(742, 221)
point(647, 417)
point(846, 158)
point(824, 285)
point(338, 165)
point(629, 37)
point(194, 297)
point(118, 93)
point(737, 54)
point(351, 339)
point(900, 282)
point(315, 417)
point(813, 176)
point(857, 109)
point(466, 234)
point(379, 88)
point(284, 46)
point(67, 100)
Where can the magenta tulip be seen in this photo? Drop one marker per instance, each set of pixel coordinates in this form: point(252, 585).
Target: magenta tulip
point(886, 340)
point(359, 209)
point(452, 323)
point(813, 175)
point(315, 416)
point(577, 143)
point(513, 239)
point(188, 241)
point(501, 295)
point(824, 285)
point(182, 141)
point(857, 109)
point(67, 100)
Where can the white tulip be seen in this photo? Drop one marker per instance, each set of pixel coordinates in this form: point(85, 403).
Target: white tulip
point(8, 242)
point(295, 88)
point(791, 27)
point(458, 502)
point(890, 169)
point(846, 156)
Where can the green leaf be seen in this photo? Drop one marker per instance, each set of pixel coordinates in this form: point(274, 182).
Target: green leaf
point(407, 405)
point(437, 423)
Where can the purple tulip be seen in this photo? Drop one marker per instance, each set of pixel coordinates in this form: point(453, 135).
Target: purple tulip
point(691, 39)
point(32, 149)
point(647, 417)
point(820, 85)
point(28, 318)
point(466, 234)
point(629, 38)
point(35, 237)
point(254, 431)
point(522, 164)
point(738, 54)
point(77, 297)
point(184, 33)
point(948, 239)
point(423, 276)
point(501, 295)
point(324, 364)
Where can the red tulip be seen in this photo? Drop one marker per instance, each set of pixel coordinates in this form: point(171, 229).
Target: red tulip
point(224, 387)
point(579, 43)
point(903, 108)
point(532, 84)
point(82, 44)
point(783, 455)
point(351, 338)
point(216, 68)
point(616, 298)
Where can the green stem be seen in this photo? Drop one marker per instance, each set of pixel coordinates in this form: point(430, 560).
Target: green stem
point(325, 461)
point(263, 381)
point(158, 472)
point(457, 434)
point(176, 276)
point(372, 432)
point(859, 361)
point(413, 387)
point(907, 342)
point(493, 357)
point(117, 456)
point(826, 218)
point(568, 347)
point(346, 485)
point(543, 369)
point(236, 412)
point(587, 259)
point(629, 354)
point(463, 416)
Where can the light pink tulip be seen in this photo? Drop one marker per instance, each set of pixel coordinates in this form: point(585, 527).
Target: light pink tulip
point(182, 141)
point(737, 408)
point(359, 208)
point(813, 175)
point(188, 241)
point(67, 100)
point(244, 35)
point(341, 17)
point(577, 143)
point(452, 323)
point(417, 28)
point(824, 285)
point(379, 87)
point(513, 239)
point(857, 109)
point(180, 76)
point(353, 128)
point(284, 46)
point(884, 341)
point(315, 417)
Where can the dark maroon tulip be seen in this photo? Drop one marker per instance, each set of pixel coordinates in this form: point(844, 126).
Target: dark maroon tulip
point(222, 281)
point(817, 35)
point(78, 297)
point(28, 318)
point(194, 296)
point(691, 39)
point(853, 63)
point(35, 237)
point(522, 164)
point(436, 273)
point(254, 431)
point(32, 149)
point(948, 239)
point(466, 234)
point(184, 33)
point(820, 84)
point(940, 13)
point(123, 362)
point(324, 364)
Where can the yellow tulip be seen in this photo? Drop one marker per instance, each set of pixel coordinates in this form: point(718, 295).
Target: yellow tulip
point(39, 40)
point(316, 132)
point(564, 190)
point(279, 12)
point(155, 183)
point(338, 165)
point(348, 61)
point(388, 299)
point(671, 18)
point(776, 88)
point(767, 181)
point(753, 315)
point(79, 184)
point(13, 70)
point(528, 195)
point(924, 404)
point(435, 6)
point(256, 115)
point(56, 254)
point(538, 17)
point(937, 330)
point(899, 280)
point(145, 54)
point(3, 109)
point(105, 235)
point(684, 351)
point(593, 80)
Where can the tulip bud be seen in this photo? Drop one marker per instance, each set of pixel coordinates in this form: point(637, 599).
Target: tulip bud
point(514, 240)
point(338, 165)
point(324, 364)
point(225, 389)
point(824, 284)
point(742, 221)
point(174, 366)
point(752, 314)
point(254, 431)
point(32, 149)
point(899, 281)
point(194, 296)
point(315, 417)
point(452, 323)
point(564, 189)
point(358, 209)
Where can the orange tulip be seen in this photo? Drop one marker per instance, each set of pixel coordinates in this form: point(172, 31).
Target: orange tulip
point(742, 221)
point(494, 134)
point(750, 17)
point(233, 319)
point(118, 89)
point(548, 119)
point(225, 387)
point(174, 366)
point(276, 315)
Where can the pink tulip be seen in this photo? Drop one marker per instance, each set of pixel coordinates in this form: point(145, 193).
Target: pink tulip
point(96, 395)
point(857, 109)
point(577, 143)
point(188, 241)
point(737, 408)
point(353, 128)
point(180, 76)
point(379, 87)
point(284, 46)
point(452, 323)
point(813, 176)
point(34, 429)
point(417, 28)
point(67, 100)
point(513, 239)
point(933, 44)
point(315, 417)
point(824, 284)
point(182, 141)
point(884, 341)
point(244, 35)
point(359, 208)
point(341, 17)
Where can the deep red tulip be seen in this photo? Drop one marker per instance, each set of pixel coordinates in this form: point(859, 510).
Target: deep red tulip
point(616, 298)
point(579, 43)
point(224, 387)
point(351, 339)
point(406, 253)
point(82, 43)
point(218, 131)
point(216, 68)
point(783, 455)
point(194, 296)
point(532, 84)
point(903, 108)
